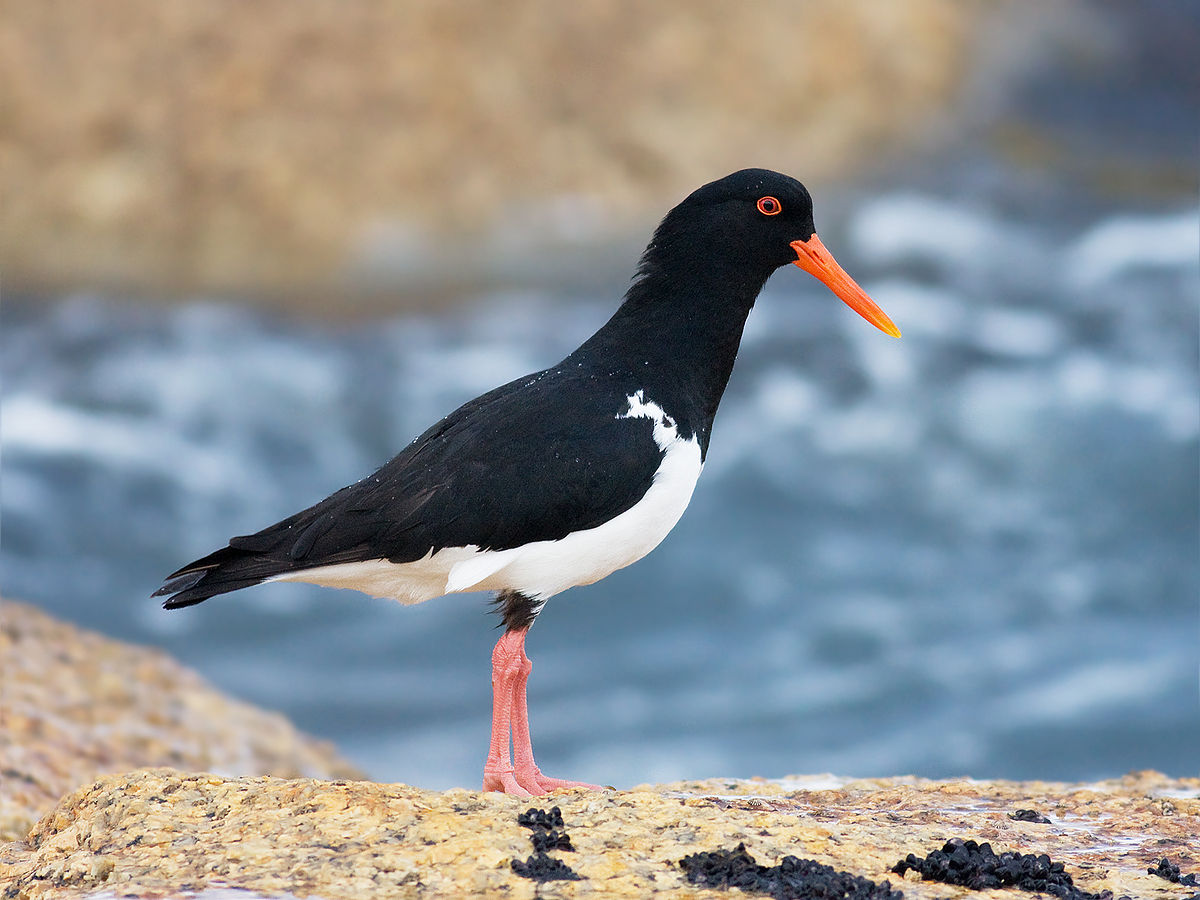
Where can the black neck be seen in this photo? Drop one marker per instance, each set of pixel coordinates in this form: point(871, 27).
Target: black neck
point(678, 335)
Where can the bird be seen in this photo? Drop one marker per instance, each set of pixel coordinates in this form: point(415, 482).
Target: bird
point(561, 477)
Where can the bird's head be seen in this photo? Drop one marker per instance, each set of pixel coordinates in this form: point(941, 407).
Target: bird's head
point(761, 220)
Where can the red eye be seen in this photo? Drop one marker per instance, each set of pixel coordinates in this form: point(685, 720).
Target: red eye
point(769, 206)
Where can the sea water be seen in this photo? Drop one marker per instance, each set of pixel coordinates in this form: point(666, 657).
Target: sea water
point(970, 551)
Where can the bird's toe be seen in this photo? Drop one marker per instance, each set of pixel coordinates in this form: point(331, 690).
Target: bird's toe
point(546, 783)
point(506, 783)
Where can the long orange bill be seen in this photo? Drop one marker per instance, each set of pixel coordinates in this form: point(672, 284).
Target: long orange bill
point(813, 258)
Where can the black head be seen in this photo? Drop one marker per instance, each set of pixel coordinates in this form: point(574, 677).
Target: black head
point(741, 228)
point(748, 219)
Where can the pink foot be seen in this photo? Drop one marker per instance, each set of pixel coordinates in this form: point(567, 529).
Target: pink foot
point(547, 784)
point(517, 774)
point(528, 783)
point(506, 783)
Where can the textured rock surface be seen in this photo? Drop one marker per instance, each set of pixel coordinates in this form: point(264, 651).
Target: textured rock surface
point(75, 705)
point(152, 832)
point(248, 145)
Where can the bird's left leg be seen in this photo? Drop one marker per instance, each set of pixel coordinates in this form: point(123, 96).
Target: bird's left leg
point(526, 772)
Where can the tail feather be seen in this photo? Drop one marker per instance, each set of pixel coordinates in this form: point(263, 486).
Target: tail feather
point(228, 569)
point(286, 546)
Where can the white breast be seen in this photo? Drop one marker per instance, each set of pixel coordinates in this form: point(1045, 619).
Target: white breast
point(543, 568)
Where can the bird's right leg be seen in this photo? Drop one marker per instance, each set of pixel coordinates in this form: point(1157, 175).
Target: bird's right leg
point(516, 772)
point(508, 660)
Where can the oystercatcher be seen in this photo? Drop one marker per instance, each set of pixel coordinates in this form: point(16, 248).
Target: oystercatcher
point(564, 476)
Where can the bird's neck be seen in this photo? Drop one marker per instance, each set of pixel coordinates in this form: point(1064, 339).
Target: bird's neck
point(677, 338)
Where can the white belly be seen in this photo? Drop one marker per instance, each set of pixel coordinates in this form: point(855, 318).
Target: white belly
point(543, 568)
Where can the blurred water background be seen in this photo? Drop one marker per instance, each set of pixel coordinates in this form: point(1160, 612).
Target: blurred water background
point(973, 551)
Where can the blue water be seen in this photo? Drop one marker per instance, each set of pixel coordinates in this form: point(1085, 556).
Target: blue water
point(973, 551)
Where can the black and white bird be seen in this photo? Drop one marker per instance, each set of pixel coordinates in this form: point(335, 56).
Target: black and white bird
point(564, 476)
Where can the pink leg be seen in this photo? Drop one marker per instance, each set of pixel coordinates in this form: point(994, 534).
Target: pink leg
point(519, 775)
point(528, 774)
point(498, 772)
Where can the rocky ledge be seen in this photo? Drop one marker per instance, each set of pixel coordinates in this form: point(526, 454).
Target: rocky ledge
point(160, 832)
point(76, 705)
point(80, 709)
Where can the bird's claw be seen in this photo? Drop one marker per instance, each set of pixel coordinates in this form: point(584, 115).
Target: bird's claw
point(505, 781)
point(529, 782)
point(546, 784)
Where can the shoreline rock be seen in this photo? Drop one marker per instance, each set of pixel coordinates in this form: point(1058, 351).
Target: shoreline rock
point(158, 831)
point(81, 709)
point(76, 705)
point(232, 147)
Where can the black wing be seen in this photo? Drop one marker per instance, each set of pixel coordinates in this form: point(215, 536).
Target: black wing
point(534, 460)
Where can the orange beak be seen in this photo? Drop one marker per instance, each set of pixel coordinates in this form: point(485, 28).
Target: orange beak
point(813, 258)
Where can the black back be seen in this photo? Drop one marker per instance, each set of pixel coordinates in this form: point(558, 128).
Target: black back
point(550, 454)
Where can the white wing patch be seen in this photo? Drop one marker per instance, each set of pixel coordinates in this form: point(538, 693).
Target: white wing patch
point(543, 568)
point(665, 432)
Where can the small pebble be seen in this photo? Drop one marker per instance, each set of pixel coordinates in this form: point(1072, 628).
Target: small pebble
point(1029, 815)
point(1168, 870)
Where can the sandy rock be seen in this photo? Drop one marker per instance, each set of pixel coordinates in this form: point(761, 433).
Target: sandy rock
point(76, 705)
point(229, 145)
point(152, 832)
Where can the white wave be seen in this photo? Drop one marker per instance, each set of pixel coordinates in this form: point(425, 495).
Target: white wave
point(1001, 411)
point(921, 310)
point(1016, 332)
point(37, 426)
point(1167, 394)
point(900, 227)
point(1090, 688)
point(1128, 242)
point(868, 428)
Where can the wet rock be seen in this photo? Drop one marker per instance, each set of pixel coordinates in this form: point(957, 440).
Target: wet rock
point(1029, 815)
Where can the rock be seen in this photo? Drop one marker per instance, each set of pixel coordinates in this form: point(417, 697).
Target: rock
point(157, 831)
point(251, 147)
point(76, 705)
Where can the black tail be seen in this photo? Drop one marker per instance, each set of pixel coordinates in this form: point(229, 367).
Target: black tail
point(228, 569)
point(324, 534)
point(286, 546)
